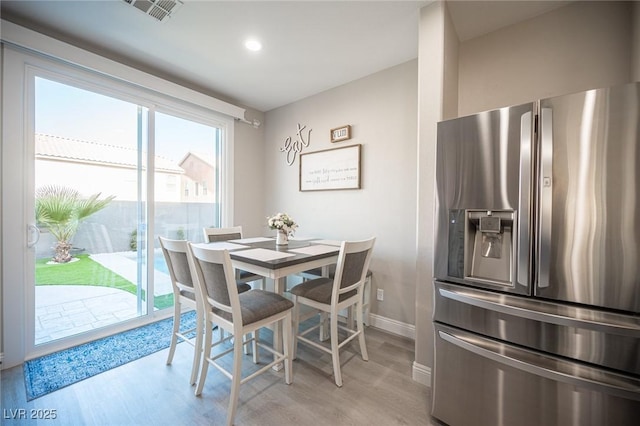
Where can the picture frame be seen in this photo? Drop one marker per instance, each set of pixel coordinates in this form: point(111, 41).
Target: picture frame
point(330, 169)
point(340, 133)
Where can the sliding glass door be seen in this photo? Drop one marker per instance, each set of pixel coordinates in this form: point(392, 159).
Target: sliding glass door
point(99, 210)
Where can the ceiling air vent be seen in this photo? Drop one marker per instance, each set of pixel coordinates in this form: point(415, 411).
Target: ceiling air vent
point(158, 9)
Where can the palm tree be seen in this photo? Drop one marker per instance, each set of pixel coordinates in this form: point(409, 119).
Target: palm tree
point(61, 209)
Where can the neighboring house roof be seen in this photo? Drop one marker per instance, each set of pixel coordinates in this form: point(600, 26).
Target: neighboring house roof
point(56, 147)
point(205, 158)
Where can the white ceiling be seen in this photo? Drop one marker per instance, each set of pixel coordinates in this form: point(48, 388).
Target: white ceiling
point(309, 46)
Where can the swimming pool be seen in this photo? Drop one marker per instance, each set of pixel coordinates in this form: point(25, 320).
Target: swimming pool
point(159, 264)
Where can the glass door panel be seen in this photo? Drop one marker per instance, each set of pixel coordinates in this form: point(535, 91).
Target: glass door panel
point(90, 152)
point(186, 188)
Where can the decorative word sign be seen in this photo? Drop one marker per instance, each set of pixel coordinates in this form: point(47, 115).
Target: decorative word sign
point(341, 133)
point(292, 148)
point(337, 168)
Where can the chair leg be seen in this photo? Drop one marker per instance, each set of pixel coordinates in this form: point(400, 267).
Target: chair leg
point(350, 320)
point(287, 345)
point(360, 325)
point(235, 380)
point(295, 324)
point(221, 333)
point(197, 354)
point(256, 337)
point(366, 301)
point(206, 348)
point(176, 329)
point(324, 334)
point(335, 354)
point(245, 346)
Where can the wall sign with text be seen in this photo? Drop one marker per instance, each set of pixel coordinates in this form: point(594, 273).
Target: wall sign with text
point(340, 133)
point(337, 168)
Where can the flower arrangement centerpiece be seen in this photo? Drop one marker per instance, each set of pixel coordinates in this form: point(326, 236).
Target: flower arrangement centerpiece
point(285, 225)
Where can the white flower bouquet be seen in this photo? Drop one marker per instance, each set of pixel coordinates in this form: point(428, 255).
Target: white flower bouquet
point(282, 222)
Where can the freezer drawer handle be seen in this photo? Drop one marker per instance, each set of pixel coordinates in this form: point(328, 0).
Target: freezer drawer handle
point(503, 307)
point(620, 390)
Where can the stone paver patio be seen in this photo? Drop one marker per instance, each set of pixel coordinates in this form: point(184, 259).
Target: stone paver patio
point(65, 310)
point(62, 310)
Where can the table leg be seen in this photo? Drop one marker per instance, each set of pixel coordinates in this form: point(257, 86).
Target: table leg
point(279, 286)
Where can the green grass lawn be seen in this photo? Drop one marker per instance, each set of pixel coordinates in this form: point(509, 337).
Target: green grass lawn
point(87, 272)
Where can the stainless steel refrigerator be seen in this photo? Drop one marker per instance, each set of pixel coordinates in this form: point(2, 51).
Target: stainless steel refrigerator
point(537, 263)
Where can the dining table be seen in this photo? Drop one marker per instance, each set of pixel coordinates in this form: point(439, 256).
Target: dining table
point(262, 256)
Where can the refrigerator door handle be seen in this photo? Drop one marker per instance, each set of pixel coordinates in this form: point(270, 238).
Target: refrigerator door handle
point(545, 197)
point(548, 367)
point(523, 218)
point(504, 304)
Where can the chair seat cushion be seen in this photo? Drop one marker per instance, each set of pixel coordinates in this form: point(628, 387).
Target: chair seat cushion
point(318, 272)
point(191, 295)
point(319, 290)
point(188, 294)
point(257, 305)
point(244, 275)
point(242, 287)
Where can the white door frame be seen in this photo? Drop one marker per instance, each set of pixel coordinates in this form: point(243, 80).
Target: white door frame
point(18, 291)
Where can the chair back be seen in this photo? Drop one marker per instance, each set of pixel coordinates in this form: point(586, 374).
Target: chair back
point(212, 235)
point(176, 255)
point(352, 266)
point(215, 281)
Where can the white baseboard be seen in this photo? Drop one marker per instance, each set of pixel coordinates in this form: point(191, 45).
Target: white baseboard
point(393, 326)
point(421, 374)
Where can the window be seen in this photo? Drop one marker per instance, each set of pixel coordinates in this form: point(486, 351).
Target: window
point(93, 143)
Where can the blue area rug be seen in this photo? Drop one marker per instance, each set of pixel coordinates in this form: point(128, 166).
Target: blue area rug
point(57, 370)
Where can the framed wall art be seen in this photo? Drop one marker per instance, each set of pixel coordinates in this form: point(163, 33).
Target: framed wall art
point(336, 168)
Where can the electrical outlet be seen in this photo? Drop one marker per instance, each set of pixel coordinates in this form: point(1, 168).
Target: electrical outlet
point(380, 294)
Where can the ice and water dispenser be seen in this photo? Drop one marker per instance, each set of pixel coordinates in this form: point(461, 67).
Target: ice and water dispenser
point(481, 246)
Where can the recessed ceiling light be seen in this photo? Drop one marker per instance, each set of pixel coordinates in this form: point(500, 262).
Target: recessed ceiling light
point(253, 45)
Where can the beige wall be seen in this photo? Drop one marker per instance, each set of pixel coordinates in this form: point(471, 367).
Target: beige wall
point(635, 48)
point(381, 110)
point(248, 176)
point(451, 65)
point(581, 46)
point(1, 221)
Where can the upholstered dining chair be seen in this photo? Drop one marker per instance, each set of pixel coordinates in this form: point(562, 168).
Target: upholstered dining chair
point(366, 291)
point(184, 295)
point(332, 295)
point(238, 314)
point(232, 233)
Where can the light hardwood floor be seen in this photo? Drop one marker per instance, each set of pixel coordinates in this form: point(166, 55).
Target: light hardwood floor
point(148, 392)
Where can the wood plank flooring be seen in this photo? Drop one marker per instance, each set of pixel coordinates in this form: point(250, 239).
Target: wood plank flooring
point(148, 392)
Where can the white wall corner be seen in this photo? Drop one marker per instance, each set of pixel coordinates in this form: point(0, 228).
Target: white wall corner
point(393, 326)
point(421, 374)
